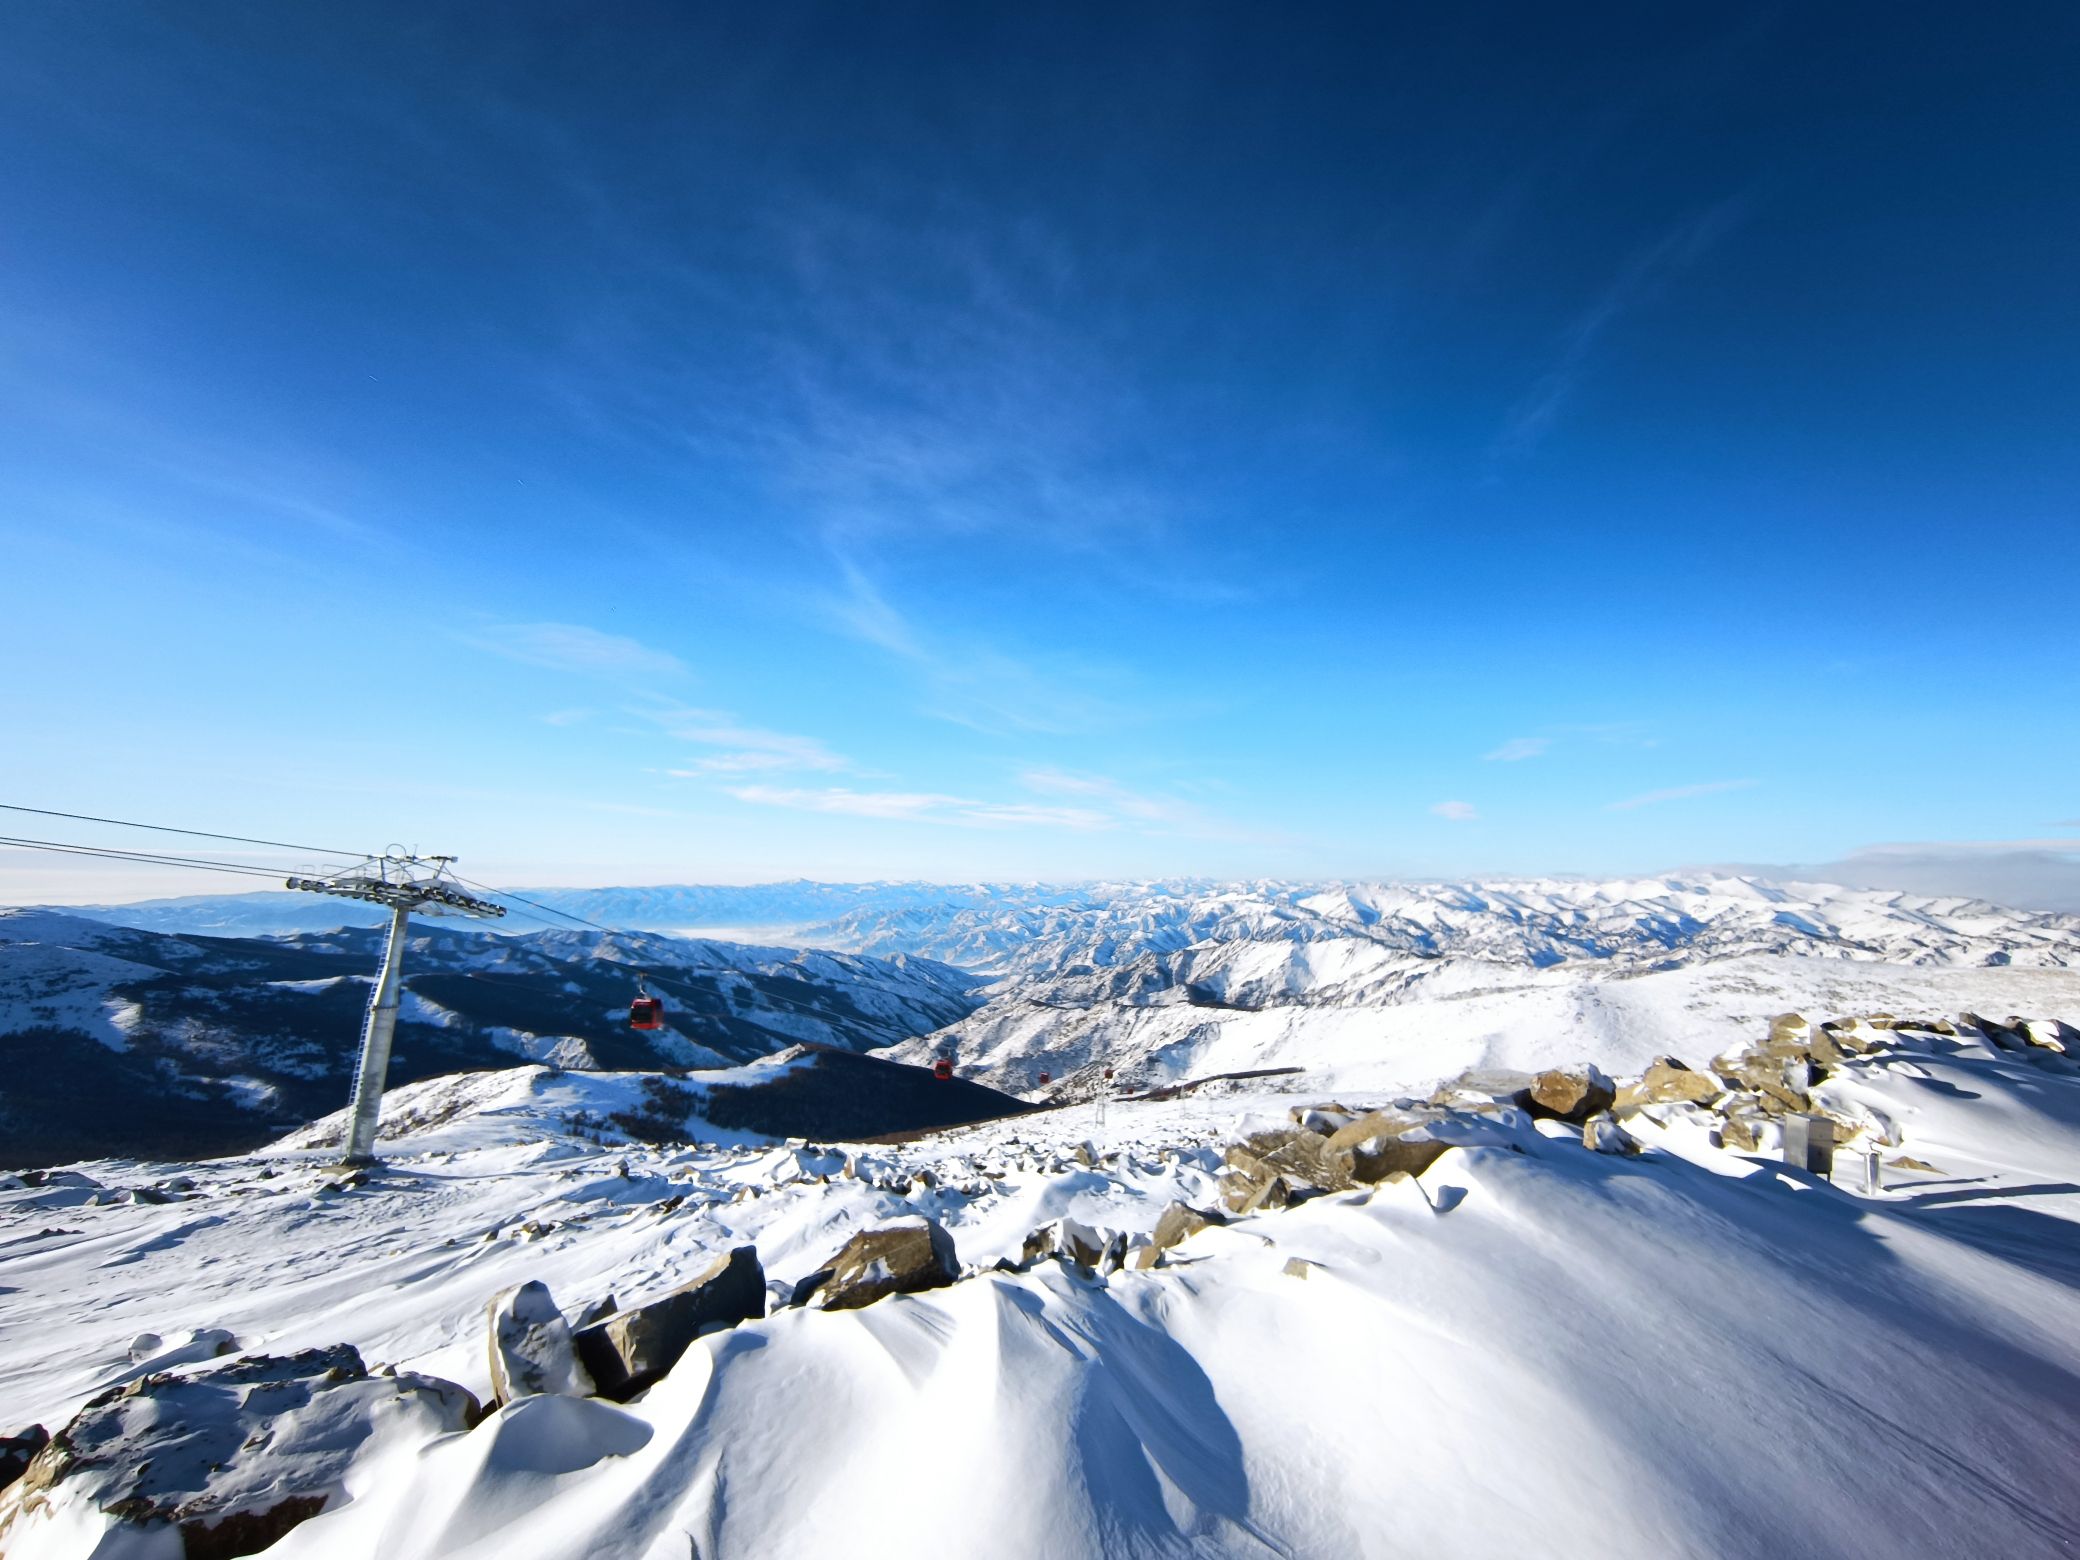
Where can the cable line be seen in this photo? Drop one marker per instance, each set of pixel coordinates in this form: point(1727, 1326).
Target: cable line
point(201, 834)
point(197, 863)
point(507, 893)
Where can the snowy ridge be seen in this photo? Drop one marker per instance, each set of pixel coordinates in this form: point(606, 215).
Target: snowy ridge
point(1689, 1351)
point(1534, 922)
point(1422, 980)
point(117, 1038)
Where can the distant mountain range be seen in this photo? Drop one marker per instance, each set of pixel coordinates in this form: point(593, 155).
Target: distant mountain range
point(153, 1040)
point(114, 1039)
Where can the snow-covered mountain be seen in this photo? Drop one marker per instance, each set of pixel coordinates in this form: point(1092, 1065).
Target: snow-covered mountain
point(1633, 924)
point(117, 1039)
point(1159, 983)
point(766, 908)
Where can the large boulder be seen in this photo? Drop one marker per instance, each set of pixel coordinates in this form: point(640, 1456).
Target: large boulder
point(531, 1349)
point(1249, 1183)
point(1180, 1221)
point(229, 1457)
point(636, 1348)
point(1379, 1145)
point(1307, 1158)
point(1570, 1093)
point(898, 1259)
point(1668, 1082)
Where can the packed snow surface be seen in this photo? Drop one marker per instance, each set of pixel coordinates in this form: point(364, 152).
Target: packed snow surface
point(1530, 1348)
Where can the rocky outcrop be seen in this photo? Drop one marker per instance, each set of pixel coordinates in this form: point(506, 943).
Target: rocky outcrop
point(1380, 1145)
point(1271, 1169)
point(531, 1349)
point(231, 1456)
point(1571, 1094)
point(1249, 1183)
point(1180, 1221)
point(899, 1259)
point(636, 1348)
point(1668, 1082)
point(1601, 1134)
point(1095, 1250)
point(16, 1450)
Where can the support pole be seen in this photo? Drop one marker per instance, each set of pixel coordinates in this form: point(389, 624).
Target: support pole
point(376, 1035)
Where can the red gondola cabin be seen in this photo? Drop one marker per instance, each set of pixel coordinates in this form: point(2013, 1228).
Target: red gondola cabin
point(646, 1013)
point(942, 1068)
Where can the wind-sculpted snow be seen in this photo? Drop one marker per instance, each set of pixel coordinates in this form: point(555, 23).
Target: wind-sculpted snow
point(1529, 1347)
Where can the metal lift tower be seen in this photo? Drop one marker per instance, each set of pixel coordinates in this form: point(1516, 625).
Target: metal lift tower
point(403, 883)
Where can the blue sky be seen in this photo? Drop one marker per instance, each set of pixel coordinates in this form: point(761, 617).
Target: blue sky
point(680, 444)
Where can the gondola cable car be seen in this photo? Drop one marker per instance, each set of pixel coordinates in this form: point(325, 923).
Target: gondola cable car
point(646, 1012)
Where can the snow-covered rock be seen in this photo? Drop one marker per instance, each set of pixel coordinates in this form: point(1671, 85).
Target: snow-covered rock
point(530, 1343)
point(897, 1259)
point(220, 1461)
point(634, 1348)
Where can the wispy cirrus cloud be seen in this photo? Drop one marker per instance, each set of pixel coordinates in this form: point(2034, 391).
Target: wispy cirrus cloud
point(740, 748)
point(1154, 813)
point(922, 807)
point(1058, 799)
point(975, 685)
point(1456, 812)
point(1680, 793)
point(1534, 415)
point(1517, 749)
point(572, 647)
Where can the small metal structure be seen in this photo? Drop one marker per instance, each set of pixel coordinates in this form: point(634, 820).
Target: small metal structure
point(1809, 1144)
point(401, 882)
point(646, 1012)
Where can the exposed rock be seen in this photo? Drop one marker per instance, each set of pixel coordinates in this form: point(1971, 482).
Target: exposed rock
point(1378, 1146)
point(1099, 1251)
point(17, 1449)
point(1248, 1184)
point(2000, 1036)
point(1790, 1031)
point(1181, 1221)
point(1178, 1224)
point(2050, 1033)
point(635, 1349)
point(531, 1350)
point(1667, 1081)
point(1483, 1085)
point(1570, 1093)
point(1304, 1158)
point(1909, 1162)
point(1298, 1267)
point(899, 1259)
point(1602, 1134)
point(1325, 1119)
point(598, 1311)
point(1738, 1134)
point(232, 1456)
